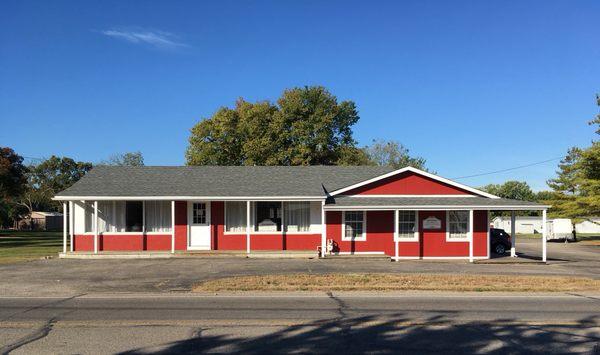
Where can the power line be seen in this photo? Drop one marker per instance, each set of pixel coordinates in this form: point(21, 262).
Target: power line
point(509, 169)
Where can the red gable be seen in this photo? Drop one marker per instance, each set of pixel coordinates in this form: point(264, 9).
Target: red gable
point(408, 183)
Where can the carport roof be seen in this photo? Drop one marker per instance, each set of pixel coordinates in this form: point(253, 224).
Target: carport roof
point(429, 203)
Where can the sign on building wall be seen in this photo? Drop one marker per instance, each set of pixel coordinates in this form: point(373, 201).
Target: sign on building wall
point(432, 223)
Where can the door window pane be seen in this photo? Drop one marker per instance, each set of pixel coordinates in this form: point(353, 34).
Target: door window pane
point(199, 213)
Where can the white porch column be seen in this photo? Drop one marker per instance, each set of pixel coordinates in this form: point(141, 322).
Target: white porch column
point(544, 236)
point(172, 226)
point(471, 236)
point(487, 223)
point(96, 227)
point(323, 231)
point(396, 252)
point(248, 227)
point(65, 211)
point(71, 224)
point(513, 234)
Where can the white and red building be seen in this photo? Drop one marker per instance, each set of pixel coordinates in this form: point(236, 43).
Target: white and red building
point(404, 214)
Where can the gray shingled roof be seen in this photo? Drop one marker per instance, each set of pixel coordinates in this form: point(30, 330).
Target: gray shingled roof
point(225, 181)
point(429, 202)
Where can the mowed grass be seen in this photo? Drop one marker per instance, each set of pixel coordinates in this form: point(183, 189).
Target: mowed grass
point(399, 282)
point(16, 246)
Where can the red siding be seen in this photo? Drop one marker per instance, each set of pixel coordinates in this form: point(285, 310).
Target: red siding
point(380, 230)
point(127, 242)
point(123, 242)
point(432, 243)
point(222, 241)
point(407, 183)
point(158, 242)
point(380, 233)
point(83, 242)
point(180, 225)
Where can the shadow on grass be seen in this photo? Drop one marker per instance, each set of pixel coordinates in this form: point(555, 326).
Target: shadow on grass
point(437, 334)
point(14, 239)
point(582, 238)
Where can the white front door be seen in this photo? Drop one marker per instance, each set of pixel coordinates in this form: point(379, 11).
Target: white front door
point(199, 225)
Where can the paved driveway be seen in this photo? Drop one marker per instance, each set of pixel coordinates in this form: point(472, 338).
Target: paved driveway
point(71, 277)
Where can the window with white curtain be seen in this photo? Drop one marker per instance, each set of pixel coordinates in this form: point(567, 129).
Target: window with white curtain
point(126, 216)
point(88, 208)
point(111, 216)
point(235, 216)
point(158, 216)
point(297, 216)
point(458, 225)
point(407, 225)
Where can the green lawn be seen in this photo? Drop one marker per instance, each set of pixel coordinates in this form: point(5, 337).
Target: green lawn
point(18, 246)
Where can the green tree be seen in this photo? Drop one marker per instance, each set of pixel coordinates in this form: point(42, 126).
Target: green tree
point(307, 126)
point(13, 182)
point(596, 120)
point(544, 196)
point(394, 154)
point(125, 159)
point(577, 184)
point(13, 177)
point(516, 190)
point(46, 179)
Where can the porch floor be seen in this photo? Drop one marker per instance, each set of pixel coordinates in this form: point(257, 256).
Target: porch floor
point(188, 254)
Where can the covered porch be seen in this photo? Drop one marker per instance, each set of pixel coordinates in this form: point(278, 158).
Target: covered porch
point(425, 227)
point(195, 225)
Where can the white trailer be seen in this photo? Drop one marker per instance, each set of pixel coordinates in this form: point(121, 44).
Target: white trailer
point(560, 229)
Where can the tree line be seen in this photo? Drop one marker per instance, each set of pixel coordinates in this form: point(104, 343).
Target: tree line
point(304, 126)
point(25, 188)
point(575, 192)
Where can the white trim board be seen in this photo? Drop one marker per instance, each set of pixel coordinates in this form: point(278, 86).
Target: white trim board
point(185, 198)
point(436, 208)
point(437, 257)
point(419, 172)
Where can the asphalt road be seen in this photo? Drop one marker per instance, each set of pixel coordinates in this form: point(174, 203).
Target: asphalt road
point(59, 277)
point(341, 323)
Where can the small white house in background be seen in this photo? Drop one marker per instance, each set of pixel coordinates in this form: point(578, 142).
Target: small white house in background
point(592, 226)
point(523, 224)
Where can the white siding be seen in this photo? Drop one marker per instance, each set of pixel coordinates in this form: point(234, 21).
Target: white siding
point(315, 217)
point(78, 217)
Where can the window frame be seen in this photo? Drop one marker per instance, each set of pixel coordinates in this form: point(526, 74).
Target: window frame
point(225, 231)
point(467, 236)
point(416, 233)
point(363, 237)
point(142, 232)
point(254, 215)
point(284, 224)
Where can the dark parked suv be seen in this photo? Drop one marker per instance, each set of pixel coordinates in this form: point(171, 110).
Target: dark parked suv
point(499, 241)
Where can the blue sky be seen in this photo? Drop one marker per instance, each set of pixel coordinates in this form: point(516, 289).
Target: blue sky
point(472, 86)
